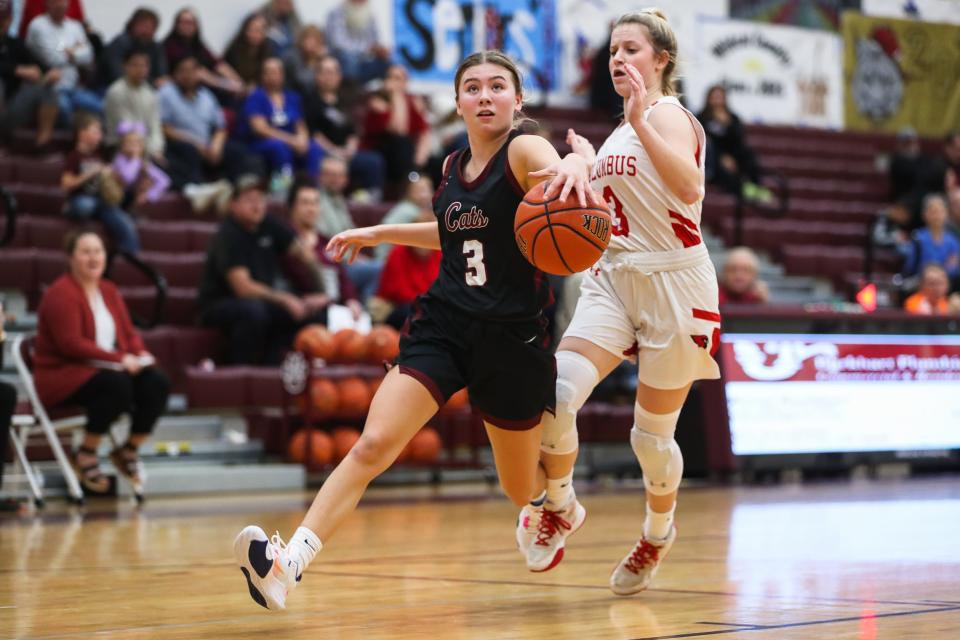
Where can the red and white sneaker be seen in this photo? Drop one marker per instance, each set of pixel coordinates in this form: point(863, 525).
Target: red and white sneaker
point(636, 571)
point(554, 528)
point(527, 524)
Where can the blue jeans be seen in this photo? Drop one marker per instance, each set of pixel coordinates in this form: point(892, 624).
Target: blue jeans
point(77, 99)
point(365, 275)
point(361, 69)
point(367, 170)
point(280, 155)
point(119, 224)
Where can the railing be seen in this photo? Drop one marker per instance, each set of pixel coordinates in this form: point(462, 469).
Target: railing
point(155, 277)
point(9, 204)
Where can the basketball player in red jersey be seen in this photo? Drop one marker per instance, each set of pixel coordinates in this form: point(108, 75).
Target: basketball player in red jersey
point(480, 325)
point(652, 296)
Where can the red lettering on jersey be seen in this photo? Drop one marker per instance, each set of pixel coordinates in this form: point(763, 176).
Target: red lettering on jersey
point(685, 229)
point(616, 165)
point(473, 219)
point(631, 165)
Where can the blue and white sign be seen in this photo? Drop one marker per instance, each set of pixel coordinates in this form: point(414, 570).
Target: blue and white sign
point(431, 37)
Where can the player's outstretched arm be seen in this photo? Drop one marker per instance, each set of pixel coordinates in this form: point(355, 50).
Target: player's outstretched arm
point(534, 160)
point(347, 244)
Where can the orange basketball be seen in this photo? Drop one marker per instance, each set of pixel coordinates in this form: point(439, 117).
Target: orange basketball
point(324, 399)
point(374, 384)
point(311, 444)
point(559, 236)
point(343, 440)
point(384, 344)
point(426, 446)
point(314, 340)
point(349, 346)
point(458, 401)
point(354, 398)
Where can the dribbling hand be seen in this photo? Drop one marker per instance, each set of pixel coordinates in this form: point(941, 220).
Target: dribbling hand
point(347, 244)
point(570, 174)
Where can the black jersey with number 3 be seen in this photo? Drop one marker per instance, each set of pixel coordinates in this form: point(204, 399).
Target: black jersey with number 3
point(483, 272)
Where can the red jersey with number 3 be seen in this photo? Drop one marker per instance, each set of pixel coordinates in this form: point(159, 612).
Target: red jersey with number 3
point(647, 216)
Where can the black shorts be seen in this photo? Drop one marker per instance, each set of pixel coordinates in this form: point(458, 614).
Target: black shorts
point(507, 367)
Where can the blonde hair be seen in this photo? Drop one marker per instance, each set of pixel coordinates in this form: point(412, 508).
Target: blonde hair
point(662, 38)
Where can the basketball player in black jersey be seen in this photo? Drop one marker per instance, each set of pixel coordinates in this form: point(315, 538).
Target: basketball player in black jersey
point(480, 325)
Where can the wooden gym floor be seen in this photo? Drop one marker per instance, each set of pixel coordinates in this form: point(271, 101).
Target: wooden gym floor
point(851, 560)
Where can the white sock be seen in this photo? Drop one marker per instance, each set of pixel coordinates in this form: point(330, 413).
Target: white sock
point(657, 525)
point(559, 492)
point(303, 546)
point(538, 501)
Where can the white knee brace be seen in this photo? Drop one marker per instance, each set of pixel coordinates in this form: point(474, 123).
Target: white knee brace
point(576, 378)
point(656, 450)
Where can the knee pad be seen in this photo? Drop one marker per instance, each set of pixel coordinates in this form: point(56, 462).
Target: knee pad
point(576, 378)
point(657, 452)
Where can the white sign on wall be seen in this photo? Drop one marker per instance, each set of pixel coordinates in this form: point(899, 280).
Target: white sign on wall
point(773, 74)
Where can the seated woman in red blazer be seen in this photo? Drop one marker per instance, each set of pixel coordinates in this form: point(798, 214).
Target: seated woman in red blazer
point(89, 354)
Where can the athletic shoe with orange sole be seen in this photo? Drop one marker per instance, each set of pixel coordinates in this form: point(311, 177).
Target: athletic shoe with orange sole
point(270, 574)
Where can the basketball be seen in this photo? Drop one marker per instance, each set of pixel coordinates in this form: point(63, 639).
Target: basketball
point(374, 384)
point(354, 398)
point(349, 346)
point(310, 444)
point(384, 344)
point(343, 440)
point(324, 399)
point(560, 237)
point(425, 447)
point(315, 341)
point(458, 401)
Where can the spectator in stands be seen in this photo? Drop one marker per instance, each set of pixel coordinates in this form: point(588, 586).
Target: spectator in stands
point(932, 298)
point(352, 36)
point(33, 8)
point(92, 190)
point(273, 124)
point(407, 273)
point(249, 49)
point(26, 90)
point(239, 292)
point(907, 165)
point(331, 124)
point(417, 202)
point(951, 175)
point(132, 98)
point(302, 62)
point(198, 150)
point(739, 281)
point(730, 162)
point(396, 126)
point(89, 354)
point(893, 224)
point(335, 284)
point(603, 96)
point(283, 25)
point(8, 403)
point(61, 43)
point(186, 41)
point(138, 34)
point(142, 180)
point(934, 243)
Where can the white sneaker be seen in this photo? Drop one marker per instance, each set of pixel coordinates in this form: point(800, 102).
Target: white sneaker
point(269, 572)
point(527, 525)
point(554, 528)
point(636, 571)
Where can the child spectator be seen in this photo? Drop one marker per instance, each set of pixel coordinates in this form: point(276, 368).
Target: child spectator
point(142, 180)
point(931, 298)
point(933, 244)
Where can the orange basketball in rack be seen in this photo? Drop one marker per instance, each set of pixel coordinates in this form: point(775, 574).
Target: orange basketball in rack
point(343, 440)
point(310, 444)
point(559, 236)
point(354, 398)
point(426, 446)
point(384, 344)
point(315, 341)
point(324, 399)
point(349, 346)
point(458, 401)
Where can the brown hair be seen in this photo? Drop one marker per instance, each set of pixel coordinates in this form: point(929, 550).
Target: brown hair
point(501, 60)
point(662, 38)
point(73, 236)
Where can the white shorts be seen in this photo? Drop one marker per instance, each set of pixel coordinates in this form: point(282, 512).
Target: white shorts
point(667, 320)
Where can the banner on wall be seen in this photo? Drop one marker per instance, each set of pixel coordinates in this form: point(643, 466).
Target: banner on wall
point(815, 14)
point(431, 37)
point(773, 74)
point(900, 73)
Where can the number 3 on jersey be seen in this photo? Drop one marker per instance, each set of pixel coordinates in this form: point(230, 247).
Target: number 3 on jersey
point(476, 271)
point(620, 225)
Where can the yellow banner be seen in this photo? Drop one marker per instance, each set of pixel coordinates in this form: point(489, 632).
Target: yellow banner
point(900, 73)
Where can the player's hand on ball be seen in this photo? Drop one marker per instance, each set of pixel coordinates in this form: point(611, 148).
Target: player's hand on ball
point(347, 244)
point(570, 174)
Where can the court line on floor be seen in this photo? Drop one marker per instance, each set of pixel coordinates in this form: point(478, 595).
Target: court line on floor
point(792, 625)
